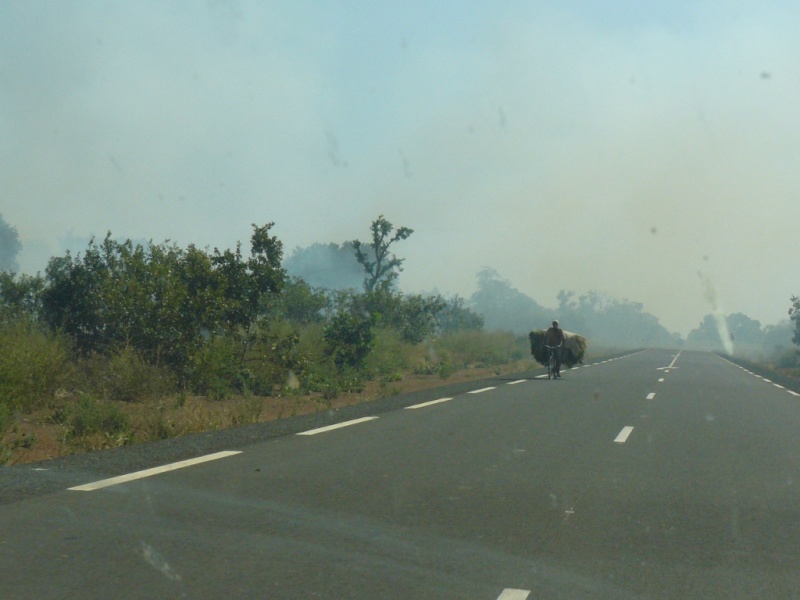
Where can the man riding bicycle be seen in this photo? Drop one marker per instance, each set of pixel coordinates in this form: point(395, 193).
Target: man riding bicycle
point(554, 338)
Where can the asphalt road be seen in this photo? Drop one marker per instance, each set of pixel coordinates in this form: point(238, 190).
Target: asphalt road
point(648, 476)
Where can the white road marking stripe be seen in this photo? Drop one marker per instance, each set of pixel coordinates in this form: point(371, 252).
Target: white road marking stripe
point(779, 386)
point(480, 391)
point(661, 380)
point(424, 404)
point(517, 381)
point(541, 376)
point(767, 380)
point(651, 395)
point(336, 426)
point(89, 487)
point(793, 393)
point(512, 594)
point(672, 364)
point(623, 435)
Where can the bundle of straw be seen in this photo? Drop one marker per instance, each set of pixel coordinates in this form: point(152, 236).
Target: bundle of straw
point(571, 353)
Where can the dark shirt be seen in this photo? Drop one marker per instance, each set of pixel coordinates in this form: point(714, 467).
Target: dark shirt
point(554, 336)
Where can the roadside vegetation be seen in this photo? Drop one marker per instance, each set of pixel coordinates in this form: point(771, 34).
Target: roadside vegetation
point(124, 343)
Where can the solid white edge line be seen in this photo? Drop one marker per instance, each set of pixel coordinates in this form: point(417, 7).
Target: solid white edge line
point(336, 426)
point(512, 594)
point(517, 381)
point(622, 436)
point(651, 395)
point(424, 404)
point(89, 487)
point(480, 391)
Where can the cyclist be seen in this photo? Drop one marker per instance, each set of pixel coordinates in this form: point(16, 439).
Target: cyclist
point(554, 337)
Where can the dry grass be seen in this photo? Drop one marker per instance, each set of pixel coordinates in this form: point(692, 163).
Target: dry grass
point(45, 433)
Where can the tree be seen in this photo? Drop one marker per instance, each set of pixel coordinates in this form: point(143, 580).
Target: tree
point(381, 268)
point(744, 330)
point(706, 335)
point(456, 316)
point(349, 338)
point(330, 266)
point(21, 295)
point(794, 315)
point(614, 322)
point(161, 301)
point(301, 303)
point(778, 337)
point(10, 246)
point(503, 307)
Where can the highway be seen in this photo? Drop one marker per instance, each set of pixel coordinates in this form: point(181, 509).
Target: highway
point(658, 474)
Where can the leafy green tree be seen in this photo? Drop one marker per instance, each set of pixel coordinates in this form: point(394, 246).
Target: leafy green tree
point(21, 295)
point(10, 246)
point(349, 338)
point(417, 317)
point(381, 267)
point(163, 301)
point(301, 303)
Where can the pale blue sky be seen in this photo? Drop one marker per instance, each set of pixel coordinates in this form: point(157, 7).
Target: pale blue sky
point(545, 139)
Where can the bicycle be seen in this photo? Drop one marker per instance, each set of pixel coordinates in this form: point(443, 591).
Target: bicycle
point(552, 363)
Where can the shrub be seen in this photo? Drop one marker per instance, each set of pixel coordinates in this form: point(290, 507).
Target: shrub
point(90, 418)
point(349, 339)
point(391, 354)
point(214, 369)
point(33, 365)
point(126, 376)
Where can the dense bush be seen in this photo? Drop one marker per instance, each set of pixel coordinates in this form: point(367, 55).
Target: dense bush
point(33, 365)
point(162, 301)
point(95, 424)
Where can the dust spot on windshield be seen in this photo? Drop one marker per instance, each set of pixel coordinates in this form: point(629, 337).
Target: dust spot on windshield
point(155, 560)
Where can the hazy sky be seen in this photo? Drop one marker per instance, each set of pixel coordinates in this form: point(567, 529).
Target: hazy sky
point(645, 149)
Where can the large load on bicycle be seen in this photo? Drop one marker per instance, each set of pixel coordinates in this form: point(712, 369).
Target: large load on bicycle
point(571, 354)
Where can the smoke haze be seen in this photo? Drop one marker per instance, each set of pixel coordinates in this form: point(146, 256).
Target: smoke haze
point(566, 144)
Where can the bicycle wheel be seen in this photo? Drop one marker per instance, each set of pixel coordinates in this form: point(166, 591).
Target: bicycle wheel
point(551, 367)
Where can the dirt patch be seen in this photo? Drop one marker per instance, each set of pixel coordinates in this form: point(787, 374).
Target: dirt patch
point(44, 434)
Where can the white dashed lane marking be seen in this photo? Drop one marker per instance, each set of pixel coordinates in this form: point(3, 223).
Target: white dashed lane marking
point(651, 395)
point(623, 435)
point(90, 487)
point(431, 403)
point(762, 378)
point(512, 594)
point(336, 426)
point(480, 391)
